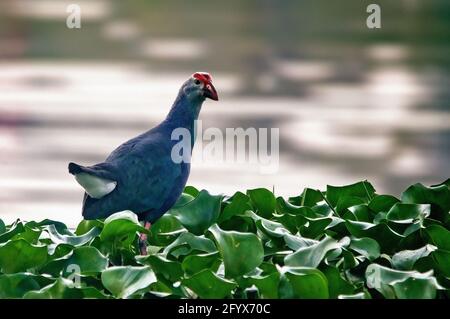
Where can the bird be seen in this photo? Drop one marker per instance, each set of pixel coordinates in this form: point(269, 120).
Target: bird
point(141, 174)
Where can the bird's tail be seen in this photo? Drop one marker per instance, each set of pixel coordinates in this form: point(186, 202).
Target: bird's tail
point(74, 168)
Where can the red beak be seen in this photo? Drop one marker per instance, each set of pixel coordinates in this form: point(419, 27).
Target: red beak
point(209, 90)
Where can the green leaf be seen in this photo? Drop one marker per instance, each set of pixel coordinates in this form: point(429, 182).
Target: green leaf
point(121, 226)
point(303, 283)
point(200, 213)
point(241, 252)
point(2, 227)
point(348, 201)
point(29, 234)
point(19, 255)
point(408, 213)
point(362, 213)
point(311, 256)
point(187, 242)
point(165, 230)
point(193, 264)
point(383, 203)
point(405, 259)
point(442, 261)
point(267, 284)
point(363, 190)
point(439, 236)
point(263, 200)
point(58, 238)
point(387, 238)
point(401, 284)
point(86, 225)
point(160, 265)
point(310, 197)
point(60, 289)
point(60, 227)
point(420, 194)
point(89, 260)
point(17, 228)
point(336, 283)
point(239, 203)
point(124, 281)
point(16, 285)
point(82, 260)
point(191, 190)
point(207, 284)
point(367, 247)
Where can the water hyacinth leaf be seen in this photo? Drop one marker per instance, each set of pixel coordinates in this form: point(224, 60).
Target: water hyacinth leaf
point(361, 212)
point(315, 227)
point(29, 234)
point(124, 281)
point(263, 200)
point(187, 242)
point(310, 197)
point(86, 225)
point(239, 203)
point(420, 194)
point(439, 236)
point(165, 230)
point(2, 227)
point(72, 240)
point(184, 199)
point(200, 213)
point(267, 284)
point(16, 285)
point(207, 284)
point(297, 242)
point(367, 247)
point(416, 288)
point(407, 213)
point(60, 289)
point(121, 225)
point(160, 265)
point(241, 252)
point(284, 207)
point(311, 256)
point(87, 260)
point(19, 255)
point(303, 283)
point(59, 226)
point(191, 190)
point(387, 238)
point(382, 203)
point(15, 229)
point(363, 190)
point(405, 259)
point(348, 201)
point(193, 264)
point(401, 284)
point(336, 283)
point(442, 261)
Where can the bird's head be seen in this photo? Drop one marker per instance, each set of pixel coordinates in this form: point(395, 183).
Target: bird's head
point(199, 86)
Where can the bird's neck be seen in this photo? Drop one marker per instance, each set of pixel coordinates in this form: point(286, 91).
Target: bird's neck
point(184, 113)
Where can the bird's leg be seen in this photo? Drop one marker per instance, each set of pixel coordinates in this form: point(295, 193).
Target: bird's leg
point(143, 240)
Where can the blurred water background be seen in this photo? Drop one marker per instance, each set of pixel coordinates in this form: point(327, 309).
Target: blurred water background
point(351, 103)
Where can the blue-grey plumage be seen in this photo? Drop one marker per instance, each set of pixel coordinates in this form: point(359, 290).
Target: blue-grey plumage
point(140, 175)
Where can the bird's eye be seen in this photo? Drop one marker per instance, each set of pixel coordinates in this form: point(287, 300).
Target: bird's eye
point(197, 82)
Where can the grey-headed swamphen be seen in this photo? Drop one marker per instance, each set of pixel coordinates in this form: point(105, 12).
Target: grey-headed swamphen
point(141, 175)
